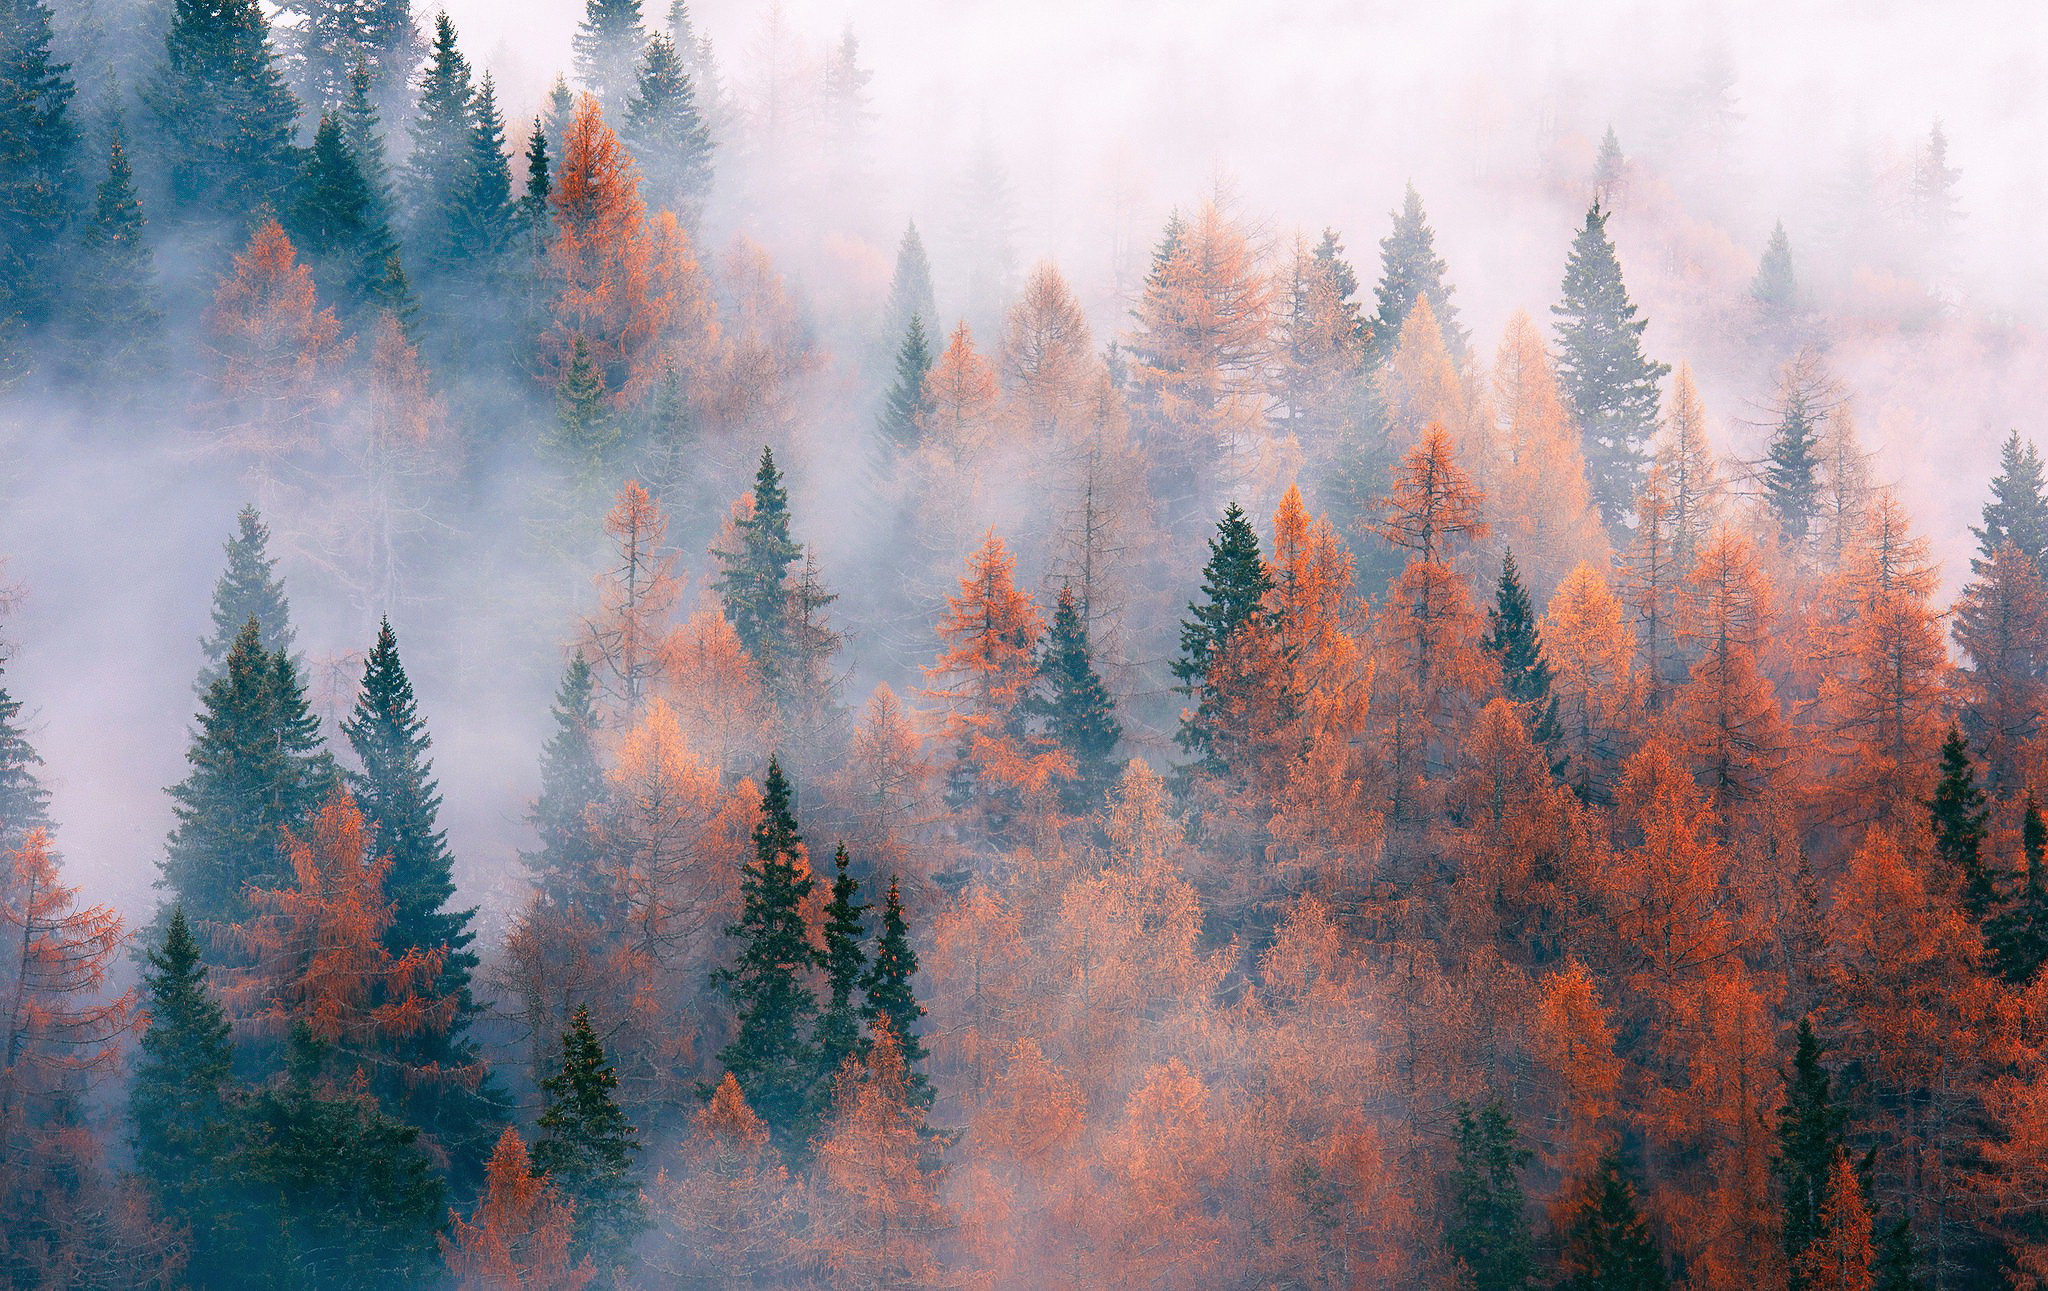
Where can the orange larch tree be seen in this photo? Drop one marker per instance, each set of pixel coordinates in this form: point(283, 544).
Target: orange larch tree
point(1593, 674)
point(1047, 360)
point(627, 640)
point(729, 1209)
point(1540, 505)
point(1691, 476)
point(877, 1212)
point(517, 1238)
point(1726, 715)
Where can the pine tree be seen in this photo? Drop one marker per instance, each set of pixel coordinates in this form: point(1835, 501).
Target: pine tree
point(258, 769)
point(1791, 470)
point(443, 153)
point(1488, 1229)
point(586, 1145)
point(572, 787)
point(845, 964)
point(2017, 935)
point(1897, 1266)
point(1411, 270)
point(225, 118)
point(248, 588)
point(910, 289)
point(892, 996)
point(1234, 588)
point(1610, 168)
point(754, 582)
point(906, 406)
point(1958, 815)
point(608, 47)
point(1811, 1132)
point(333, 41)
point(38, 179)
point(1610, 385)
point(2018, 510)
point(24, 802)
point(338, 225)
point(586, 428)
point(1775, 288)
point(362, 128)
point(1607, 1245)
point(772, 1053)
point(1076, 707)
point(561, 110)
point(481, 213)
point(116, 308)
point(1513, 638)
point(667, 135)
point(535, 219)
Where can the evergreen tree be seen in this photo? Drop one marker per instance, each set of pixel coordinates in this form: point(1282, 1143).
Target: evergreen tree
point(1076, 707)
point(771, 1053)
point(892, 996)
point(116, 309)
point(586, 1145)
point(1776, 287)
point(2018, 510)
point(1513, 639)
point(911, 300)
point(1792, 481)
point(1607, 1246)
point(571, 790)
point(333, 40)
point(481, 213)
point(443, 152)
point(753, 579)
point(2017, 936)
point(1234, 587)
point(585, 428)
point(1959, 815)
point(225, 119)
point(1897, 1266)
point(1410, 269)
point(561, 109)
point(1488, 1232)
point(248, 588)
point(535, 219)
point(182, 1110)
point(845, 963)
point(24, 802)
point(1811, 1132)
point(38, 156)
point(258, 769)
point(608, 48)
point(1610, 385)
point(1610, 168)
point(337, 223)
point(667, 136)
point(905, 406)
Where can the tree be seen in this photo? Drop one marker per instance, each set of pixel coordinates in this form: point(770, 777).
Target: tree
point(24, 802)
point(335, 41)
point(906, 407)
point(1933, 189)
point(1514, 639)
point(1727, 712)
point(338, 223)
point(1610, 169)
point(891, 999)
point(116, 307)
point(2001, 624)
point(609, 45)
point(910, 287)
point(443, 131)
point(1598, 687)
point(1433, 507)
point(225, 118)
point(258, 771)
point(1810, 1137)
point(1607, 1246)
point(586, 1146)
point(879, 1197)
point(1532, 467)
point(771, 1052)
point(1078, 711)
point(520, 1233)
point(1234, 588)
point(668, 136)
point(248, 588)
point(1691, 479)
point(1488, 1229)
point(1047, 361)
point(732, 1206)
point(1323, 345)
point(629, 637)
point(754, 578)
point(481, 213)
point(2017, 935)
point(38, 183)
point(1411, 270)
point(2018, 510)
point(1792, 469)
point(586, 427)
point(845, 965)
point(1840, 1256)
point(1610, 385)
point(1958, 814)
point(1775, 289)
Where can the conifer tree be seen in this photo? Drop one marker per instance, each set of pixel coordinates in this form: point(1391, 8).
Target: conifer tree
point(1076, 707)
point(1411, 270)
point(572, 787)
point(225, 118)
point(1897, 1266)
point(24, 802)
point(586, 428)
point(910, 289)
point(772, 1053)
point(332, 41)
point(586, 1145)
point(1513, 638)
point(115, 307)
point(1609, 383)
point(667, 135)
point(1234, 587)
point(338, 224)
point(2017, 935)
point(38, 162)
point(608, 48)
point(754, 582)
point(248, 588)
point(906, 406)
point(1775, 288)
point(2018, 510)
point(1488, 1229)
point(1610, 168)
point(362, 128)
point(443, 151)
point(1791, 473)
point(481, 214)
point(1958, 816)
point(845, 964)
point(1811, 1132)
point(535, 217)
point(892, 997)
point(560, 111)
point(258, 769)
point(1607, 1245)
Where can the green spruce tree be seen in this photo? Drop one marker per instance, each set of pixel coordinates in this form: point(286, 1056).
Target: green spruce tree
point(892, 995)
point(116, 332)
point(754, 577)
point(481, 214)
point(608, 46)
point(2018, 510)
point(910, 291)
point(1516, 643)
point(225, 119)
point(1607, 1244)
point(337, 223)
point(1607, 381)
point(845, 964)
point(1898, 1265)
point(1811, 1130)
point(1488, 1230)
point(443, 154)
point(572, 788)
point(1410, 269)
point(666, 134)
point(1791, 468)
point(587, 1146)
point(904, 407)
point(1958, 815)
point(1775, 289)
point(2017, 935)
point(38, 164)
point(1234, 588)
point(586, 428)
point(536, 218)
point(248, 588)
point(24, 802)
point(1076, 707)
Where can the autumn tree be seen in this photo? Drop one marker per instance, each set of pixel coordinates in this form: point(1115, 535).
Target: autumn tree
point(1046, 359)
point(1692, 480)
point(628, 638)
point(731, 1205)
point(1727, 712)
point(519, 1234)
point(1594, 679)
point(1609, 383)
point(1537, 494)
point(1412, 271)
point(1840, 1255)
point(877, 1205)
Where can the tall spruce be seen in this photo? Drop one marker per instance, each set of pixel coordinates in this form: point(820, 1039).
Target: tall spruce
point(225, 119)
point(1516, 643)
point(890, 988)
point(904, 407)
point(771, 1054)
point(1234, 587)
point(586, 427)
point(248, 588)
point(1811, 1132)
point(535, 218)
point(258, 769)
point(754, 578)
point(910, 290)
point(24, 802)
point(1775, 288)
point(2017, 935)
point(1609, 383)
point(667, 136)
point(2018, 510)
point(587, 1146)
point(1897, 1267)
point(845, 965)
point(481, 211)
point(38, 163)
point(1607, 1244)
point(443, 152)
point(1792, 468)
point(1488, 1229)
point(1959, 815)
point(1076, 707)
point(116, 331)
point(572, 788)
point(338, 224)
point(1410, 270)
point(608, 46)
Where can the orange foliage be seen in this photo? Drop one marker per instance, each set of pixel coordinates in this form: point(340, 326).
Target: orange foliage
point(517, 1239)
point(877, 1206)
point(277, 351)
point(628, 640)
point(1541, 506)
point(59, 1027)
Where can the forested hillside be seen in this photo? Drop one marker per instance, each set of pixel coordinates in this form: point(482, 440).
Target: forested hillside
point(732, 746)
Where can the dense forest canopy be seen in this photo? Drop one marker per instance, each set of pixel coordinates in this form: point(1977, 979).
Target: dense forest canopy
point(635, 650)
